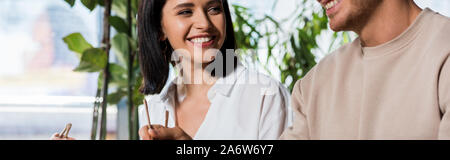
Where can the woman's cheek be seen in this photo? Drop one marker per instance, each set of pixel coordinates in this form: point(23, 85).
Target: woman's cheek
point(221, 26)
point(176, 33)
point(210, 55)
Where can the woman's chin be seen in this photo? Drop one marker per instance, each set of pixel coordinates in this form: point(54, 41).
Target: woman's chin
point(207, 62)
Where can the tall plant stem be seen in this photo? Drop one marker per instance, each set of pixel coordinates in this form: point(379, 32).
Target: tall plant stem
point(95, 114)
point(107, 46)
point(132, 121)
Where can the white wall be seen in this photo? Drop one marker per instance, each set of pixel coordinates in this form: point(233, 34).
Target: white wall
point(441, 6)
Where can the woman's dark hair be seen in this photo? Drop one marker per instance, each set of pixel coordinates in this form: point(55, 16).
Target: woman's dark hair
point(154, 54)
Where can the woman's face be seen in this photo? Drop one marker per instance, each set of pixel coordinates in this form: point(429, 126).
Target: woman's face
point(194, 26)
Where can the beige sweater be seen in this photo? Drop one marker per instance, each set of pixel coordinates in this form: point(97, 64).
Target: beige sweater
point(398, 90)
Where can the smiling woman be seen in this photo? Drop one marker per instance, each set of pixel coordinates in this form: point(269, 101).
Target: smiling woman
point(159, 37)
point(206, 100)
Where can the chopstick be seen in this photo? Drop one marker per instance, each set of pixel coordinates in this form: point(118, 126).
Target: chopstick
point(65, 133)
point(61, 134)
point(167, 119)
point(69, 126)
point(148, 115)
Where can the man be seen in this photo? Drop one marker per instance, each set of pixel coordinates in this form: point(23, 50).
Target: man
point(392, 82)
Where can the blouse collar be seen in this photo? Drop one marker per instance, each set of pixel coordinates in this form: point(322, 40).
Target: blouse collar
point(223, 86)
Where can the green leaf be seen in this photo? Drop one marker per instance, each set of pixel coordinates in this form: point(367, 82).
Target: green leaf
point(135, 6)
point(77, 43)
point(119, 24)
point(101, 2)
point(93, 60)
point(71, 2)
point(100, 80)
point(118, 75)
point(115, 97)
point(120, 8)
point(137, 96)
point(120, 46)
point(90, 4)
point(133, 43)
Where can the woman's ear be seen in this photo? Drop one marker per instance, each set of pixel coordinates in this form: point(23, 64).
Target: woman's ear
point(163, 37)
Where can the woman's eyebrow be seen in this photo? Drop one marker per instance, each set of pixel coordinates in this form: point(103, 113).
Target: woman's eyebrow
point(187, 5)
point(184, 5)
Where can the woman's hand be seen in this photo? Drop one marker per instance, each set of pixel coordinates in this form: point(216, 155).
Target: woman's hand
point(161, 133)
point(56, 136)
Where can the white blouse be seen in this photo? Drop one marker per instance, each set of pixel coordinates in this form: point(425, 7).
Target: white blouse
point(245, 105)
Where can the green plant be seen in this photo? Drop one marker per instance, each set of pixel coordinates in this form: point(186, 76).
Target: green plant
point(124, 74)
point(290, 49)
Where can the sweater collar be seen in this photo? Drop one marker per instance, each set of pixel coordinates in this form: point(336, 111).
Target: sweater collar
point(400, 41)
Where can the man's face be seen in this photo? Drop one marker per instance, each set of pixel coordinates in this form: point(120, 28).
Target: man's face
point(348, 14)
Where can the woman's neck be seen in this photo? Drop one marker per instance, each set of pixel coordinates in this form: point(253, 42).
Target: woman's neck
point(196, 79)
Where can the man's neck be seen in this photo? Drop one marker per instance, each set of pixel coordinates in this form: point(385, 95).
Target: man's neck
point(388, 21)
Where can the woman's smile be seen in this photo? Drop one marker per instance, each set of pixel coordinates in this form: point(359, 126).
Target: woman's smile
point(195, 26)
point(202, 41)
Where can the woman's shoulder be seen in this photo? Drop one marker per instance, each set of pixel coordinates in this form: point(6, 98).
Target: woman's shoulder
point(154, 98)
point(156, 108)
point(155, 104)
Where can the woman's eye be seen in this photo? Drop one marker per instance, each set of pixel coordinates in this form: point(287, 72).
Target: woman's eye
point(215, 10)
point(185, 12)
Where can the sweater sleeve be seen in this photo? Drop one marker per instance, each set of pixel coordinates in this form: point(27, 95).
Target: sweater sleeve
point(299, 129)
point(444, 100)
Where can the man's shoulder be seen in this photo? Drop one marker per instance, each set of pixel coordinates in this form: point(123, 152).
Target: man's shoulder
point(336, 61)
point(439, 19)
point(343, 52)
point(437, 33)
point(439, 25)
point(343, 55)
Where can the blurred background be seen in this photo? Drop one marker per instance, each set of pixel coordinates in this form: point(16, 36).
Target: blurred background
point(40, 91)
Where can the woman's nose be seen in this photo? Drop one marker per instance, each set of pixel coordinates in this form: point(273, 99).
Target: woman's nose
point(202, 21)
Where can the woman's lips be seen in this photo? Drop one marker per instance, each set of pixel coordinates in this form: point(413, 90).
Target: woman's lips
point(203, 44)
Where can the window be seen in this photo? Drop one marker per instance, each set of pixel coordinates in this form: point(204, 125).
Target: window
point(39, 92)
